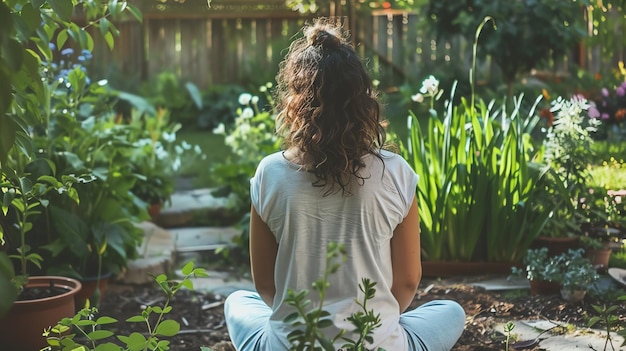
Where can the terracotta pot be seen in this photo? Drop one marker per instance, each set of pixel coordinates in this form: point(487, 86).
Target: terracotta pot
point(22, 327)
point(558, 245)
point(575, 295)
point(154, 210)
point(88, 288)
point(542, 287)
point(448, 268)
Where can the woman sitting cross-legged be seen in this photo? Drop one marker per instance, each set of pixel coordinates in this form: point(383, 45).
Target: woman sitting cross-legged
point(334, 183)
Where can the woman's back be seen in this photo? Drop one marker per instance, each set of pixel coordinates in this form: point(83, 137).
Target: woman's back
point(304, 221)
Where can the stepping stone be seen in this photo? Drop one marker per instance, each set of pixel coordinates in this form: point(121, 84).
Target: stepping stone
point(195, 239)
point(199, 207)
point(156, 256)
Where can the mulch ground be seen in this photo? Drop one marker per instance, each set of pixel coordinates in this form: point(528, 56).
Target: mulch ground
point(202, 320)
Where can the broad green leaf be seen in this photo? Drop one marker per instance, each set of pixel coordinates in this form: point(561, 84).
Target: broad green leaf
point(168, 328)
point(187, 268)
point(135, 319)
point(106, 320)
point(62, 38)
point(134, 341)
point(100, 334)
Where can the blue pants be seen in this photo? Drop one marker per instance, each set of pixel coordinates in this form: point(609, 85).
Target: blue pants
point(433, 326)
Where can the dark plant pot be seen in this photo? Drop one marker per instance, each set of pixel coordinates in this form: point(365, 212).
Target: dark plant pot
point(600, 258)
point(542, 287)
point(21, 328)
point(449, 268)
point(88, 288)
point(558, 245)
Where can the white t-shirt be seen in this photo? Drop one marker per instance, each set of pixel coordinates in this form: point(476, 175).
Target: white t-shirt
point(304, 222)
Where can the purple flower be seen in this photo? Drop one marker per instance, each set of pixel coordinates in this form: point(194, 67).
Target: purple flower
point(605, 92)
point(605, 116)
point(620, 91)
point(593, 112)
point(623, 84)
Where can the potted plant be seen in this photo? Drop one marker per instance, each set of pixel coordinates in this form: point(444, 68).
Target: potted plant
point(29, 178)
point(36, 301)
point(541, 270)
point(566, 151)
point(157, 156)
point(576, 274)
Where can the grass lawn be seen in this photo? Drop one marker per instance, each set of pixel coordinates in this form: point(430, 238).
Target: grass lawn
point(212, 146)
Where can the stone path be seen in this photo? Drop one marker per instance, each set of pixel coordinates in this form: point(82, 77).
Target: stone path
point(180, 236)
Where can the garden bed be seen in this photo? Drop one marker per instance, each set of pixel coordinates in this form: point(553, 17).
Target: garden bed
point(202, 322)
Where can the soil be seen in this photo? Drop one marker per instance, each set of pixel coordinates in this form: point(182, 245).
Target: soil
point(202, 320)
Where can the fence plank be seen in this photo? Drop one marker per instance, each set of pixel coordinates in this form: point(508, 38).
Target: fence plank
point(239, 43)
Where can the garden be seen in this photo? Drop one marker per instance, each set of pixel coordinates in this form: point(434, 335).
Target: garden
point(519, 135)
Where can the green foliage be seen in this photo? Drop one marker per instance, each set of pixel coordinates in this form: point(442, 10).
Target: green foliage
point(538, 266)
point(508, 329)
point(251, 138)
point(476, 182)
point(95, 329)
point(308, 322)
point(528, 32)
point(157, 155)
point(571, 269)
point(28, 34)
point(567, 151)
point(611, 321)
point(167, 91)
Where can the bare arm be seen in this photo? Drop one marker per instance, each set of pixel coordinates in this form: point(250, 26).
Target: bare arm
point(405, 258)
point(263, 249)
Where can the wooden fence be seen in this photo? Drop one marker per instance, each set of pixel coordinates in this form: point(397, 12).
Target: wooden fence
point(241, 41)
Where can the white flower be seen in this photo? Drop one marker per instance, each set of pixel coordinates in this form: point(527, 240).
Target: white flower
point(245, 98)
point(247, 113)
point(430, 86)
point(255, 100)
point(245, 128)
point(169, 137)
point(417, 98)
point(220, 129)
point(229, 140)
point(262, 88)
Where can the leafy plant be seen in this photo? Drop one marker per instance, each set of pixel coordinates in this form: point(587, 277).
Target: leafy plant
point(157, 156)
point(567, 151)
point(570, 269)
point(538, 266)
point(168, 92)
point(309, 322)
point(577, 272)
point(476, 161)
point(606, 316)
point(251, 138)
point(93, 330)
point(520, 42)
point(508, 330)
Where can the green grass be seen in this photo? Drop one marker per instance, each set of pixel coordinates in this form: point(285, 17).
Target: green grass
point(212, 146)
point(610, 170)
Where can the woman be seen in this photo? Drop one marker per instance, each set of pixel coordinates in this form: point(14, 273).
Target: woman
point(334, 183)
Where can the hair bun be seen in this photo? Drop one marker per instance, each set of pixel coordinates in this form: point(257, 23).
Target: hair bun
point(325, 40)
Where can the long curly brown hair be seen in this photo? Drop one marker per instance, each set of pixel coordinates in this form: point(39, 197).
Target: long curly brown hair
point(328, 107)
